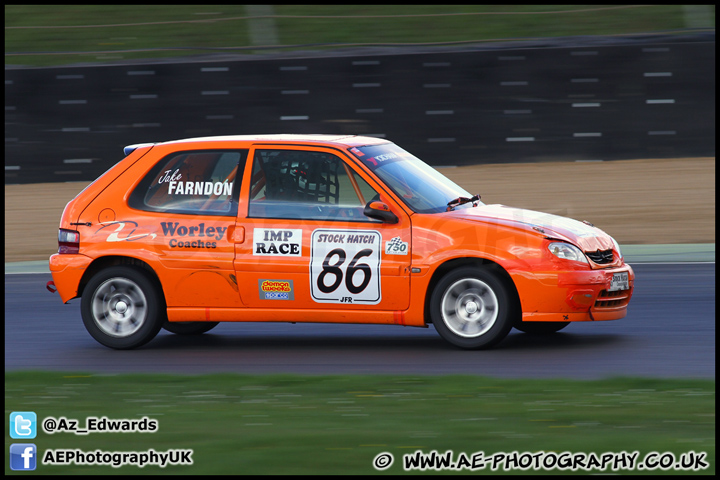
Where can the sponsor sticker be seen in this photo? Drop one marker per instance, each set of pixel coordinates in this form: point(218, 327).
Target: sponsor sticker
point(396, 246)
point(124, 231)
point(192, 236)
point(385, 157)
point(275, 289)
point(345, 266)
point(277, 242)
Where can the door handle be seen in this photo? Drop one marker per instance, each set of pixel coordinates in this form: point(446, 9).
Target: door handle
point(238, 234)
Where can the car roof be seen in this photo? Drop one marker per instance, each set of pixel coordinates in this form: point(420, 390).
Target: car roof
point(317, 139)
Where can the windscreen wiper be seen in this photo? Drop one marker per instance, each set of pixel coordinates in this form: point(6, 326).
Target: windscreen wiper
point(461, 201)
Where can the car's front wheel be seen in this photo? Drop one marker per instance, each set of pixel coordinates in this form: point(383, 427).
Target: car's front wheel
point(473, 308)
point(122, 308)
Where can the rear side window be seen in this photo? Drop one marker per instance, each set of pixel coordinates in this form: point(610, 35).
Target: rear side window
point(203, 182)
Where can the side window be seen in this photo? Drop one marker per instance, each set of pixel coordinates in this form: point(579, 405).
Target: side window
point(298, 184)
point(196, 182)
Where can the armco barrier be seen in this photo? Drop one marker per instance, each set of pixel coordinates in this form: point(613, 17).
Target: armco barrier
point(589, 98)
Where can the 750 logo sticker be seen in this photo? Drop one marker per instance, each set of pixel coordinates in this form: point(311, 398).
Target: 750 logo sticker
point(396, 247)
point(345, 266)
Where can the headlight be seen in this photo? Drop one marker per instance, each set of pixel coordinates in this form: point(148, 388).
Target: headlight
point(617, 247)
point(567, 252)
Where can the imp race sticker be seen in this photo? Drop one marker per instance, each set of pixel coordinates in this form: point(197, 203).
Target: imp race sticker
point(345, 266)
point(273, 242)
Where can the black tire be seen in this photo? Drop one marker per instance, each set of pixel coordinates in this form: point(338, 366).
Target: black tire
point(540, 328)
point(189, 328)
point(122, 307)
point(473, 308)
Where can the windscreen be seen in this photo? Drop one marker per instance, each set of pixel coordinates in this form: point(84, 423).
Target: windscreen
point(421, 187)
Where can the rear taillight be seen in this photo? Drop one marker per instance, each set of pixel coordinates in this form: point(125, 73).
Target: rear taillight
point(68, 241)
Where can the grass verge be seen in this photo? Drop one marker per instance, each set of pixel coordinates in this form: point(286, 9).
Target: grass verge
point(289, 424)
point(44, 35)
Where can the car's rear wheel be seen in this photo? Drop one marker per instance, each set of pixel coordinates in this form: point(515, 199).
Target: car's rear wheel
point(189, 328)
point(473, 308)
point(540, 328)
point(122, 308)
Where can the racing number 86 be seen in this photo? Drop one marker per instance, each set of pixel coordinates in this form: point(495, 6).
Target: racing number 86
point(350, 272)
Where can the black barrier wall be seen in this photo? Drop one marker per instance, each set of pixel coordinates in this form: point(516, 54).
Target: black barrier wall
point(574, 99)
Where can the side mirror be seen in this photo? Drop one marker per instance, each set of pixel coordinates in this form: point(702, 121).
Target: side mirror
point(380, 211)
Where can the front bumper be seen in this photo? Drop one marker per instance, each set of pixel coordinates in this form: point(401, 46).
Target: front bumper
point(573, 296)
point(67, 271)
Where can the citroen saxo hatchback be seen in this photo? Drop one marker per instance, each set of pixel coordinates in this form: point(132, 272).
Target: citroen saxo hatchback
point(337, 229)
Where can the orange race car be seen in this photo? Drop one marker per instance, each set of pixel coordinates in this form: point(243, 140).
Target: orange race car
point(182, 235)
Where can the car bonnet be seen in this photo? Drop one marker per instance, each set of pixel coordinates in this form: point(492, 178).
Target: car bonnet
point(589, 238)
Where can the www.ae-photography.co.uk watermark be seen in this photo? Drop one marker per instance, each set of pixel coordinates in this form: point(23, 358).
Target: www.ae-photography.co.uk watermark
point(564, 461)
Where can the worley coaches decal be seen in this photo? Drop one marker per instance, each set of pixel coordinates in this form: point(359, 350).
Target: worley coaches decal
point(345, 266)
point(193, 236)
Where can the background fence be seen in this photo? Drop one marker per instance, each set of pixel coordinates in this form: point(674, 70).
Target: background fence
point(589, 98)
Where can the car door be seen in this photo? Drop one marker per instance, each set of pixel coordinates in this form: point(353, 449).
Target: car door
point(307, 243)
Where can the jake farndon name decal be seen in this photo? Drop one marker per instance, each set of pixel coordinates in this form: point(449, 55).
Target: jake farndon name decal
point(178, 187)
point(187, 234)
point(200, 188)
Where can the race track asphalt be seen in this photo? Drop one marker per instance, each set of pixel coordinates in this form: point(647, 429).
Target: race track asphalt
point(669, 332)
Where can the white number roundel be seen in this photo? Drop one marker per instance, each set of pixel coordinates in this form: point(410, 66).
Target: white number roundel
point(345, 266)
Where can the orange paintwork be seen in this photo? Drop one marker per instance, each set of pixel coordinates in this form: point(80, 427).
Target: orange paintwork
point(209, 268)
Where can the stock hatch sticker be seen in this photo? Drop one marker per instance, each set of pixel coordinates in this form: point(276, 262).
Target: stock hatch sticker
point(345, 266)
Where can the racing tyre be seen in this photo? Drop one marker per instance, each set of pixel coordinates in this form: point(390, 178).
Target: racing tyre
point(473, 308)
point(540, 328)
point(189, 328)
point(122, 308)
